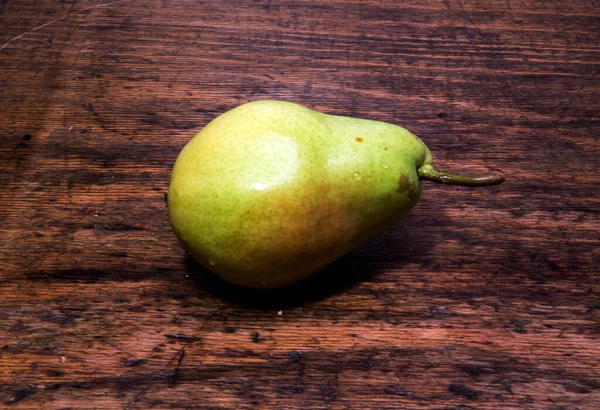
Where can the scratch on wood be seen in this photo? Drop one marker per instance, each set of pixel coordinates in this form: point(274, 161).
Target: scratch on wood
point(181, 354)
point(59, 19)
point(183, 338)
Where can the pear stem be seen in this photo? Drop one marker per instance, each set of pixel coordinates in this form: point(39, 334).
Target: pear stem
point(429, 173)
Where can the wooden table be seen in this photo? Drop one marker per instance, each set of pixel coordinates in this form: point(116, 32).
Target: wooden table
point(481, 298)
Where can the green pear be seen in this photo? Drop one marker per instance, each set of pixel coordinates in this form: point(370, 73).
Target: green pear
point(270, 191)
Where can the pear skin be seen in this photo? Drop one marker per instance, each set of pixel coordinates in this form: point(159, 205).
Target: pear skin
point(271, 191)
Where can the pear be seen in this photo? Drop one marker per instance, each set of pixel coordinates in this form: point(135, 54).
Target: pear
point(271, 191)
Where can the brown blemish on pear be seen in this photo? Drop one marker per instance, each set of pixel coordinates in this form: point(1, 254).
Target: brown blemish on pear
point(404, 184)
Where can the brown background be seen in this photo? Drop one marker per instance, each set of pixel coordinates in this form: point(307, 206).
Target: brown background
point(483, 298)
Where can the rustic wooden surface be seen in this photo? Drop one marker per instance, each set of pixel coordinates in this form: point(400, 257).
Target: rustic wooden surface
point(481, 299)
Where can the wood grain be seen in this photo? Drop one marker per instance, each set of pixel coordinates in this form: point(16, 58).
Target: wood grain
point(483, 298)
